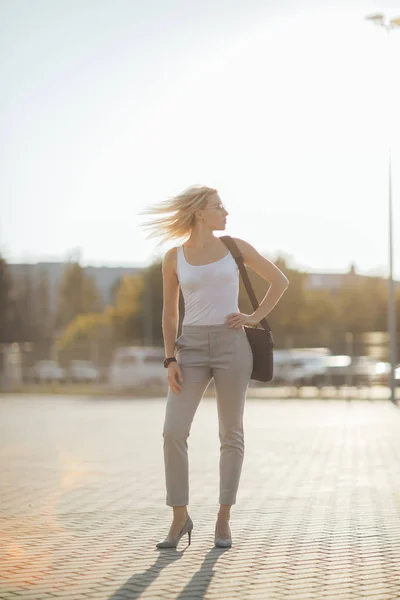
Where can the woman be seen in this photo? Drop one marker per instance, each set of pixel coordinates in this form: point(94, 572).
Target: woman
point(213, 344)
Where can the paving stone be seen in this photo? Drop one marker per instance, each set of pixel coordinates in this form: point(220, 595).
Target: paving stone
point(83, 502)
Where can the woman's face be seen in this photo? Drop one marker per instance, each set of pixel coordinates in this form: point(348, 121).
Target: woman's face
point(215, 213)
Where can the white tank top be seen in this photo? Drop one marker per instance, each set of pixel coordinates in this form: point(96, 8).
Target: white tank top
point(210, 292)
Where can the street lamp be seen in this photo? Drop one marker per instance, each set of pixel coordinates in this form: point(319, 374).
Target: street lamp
point(389, 25)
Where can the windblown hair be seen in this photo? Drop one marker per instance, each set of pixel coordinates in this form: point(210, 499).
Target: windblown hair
point(174, 218)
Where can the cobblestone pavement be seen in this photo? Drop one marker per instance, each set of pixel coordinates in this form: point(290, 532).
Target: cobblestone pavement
point(83, 502)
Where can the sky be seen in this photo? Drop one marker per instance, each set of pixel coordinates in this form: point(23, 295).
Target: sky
point(287, 109)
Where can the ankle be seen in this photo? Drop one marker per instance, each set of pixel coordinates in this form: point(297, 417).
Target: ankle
point(180, 513)
point(224, 512)
point(180, 518)
point(223, 517)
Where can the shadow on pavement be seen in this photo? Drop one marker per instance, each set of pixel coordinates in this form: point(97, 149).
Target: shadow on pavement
point(198, 585)
point(195, 588)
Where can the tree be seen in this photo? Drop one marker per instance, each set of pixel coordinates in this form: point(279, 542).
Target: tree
point(128, 307)
point(138, 306)
point(320, 318)
point(24, 308)
point(6, 333)
point(152, 305)
point(91, 327)
point(77, 295)
point(43, 312)
point(289, 317)
point(375, 295)
point(361, 305)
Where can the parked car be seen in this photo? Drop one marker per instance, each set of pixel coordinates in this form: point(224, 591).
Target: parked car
point(345, 370)
point(48, 371)
point(336, 370)
point(382, 373)
point(317, 367)
point(136, 366)
point(299, 366)
point(83, 371)
point(384, 369)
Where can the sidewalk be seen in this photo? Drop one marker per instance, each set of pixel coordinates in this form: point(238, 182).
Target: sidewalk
point(82, 502)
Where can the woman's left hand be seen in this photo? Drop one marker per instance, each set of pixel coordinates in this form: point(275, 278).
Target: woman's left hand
point(239, 319)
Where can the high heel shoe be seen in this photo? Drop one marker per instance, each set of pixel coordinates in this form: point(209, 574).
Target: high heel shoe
point(222, 542)
point(173, 542)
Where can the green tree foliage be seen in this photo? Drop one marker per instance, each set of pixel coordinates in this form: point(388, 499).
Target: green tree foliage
point(43, 312)
point(128, 294)
point(137, 313)
point(289, 316)
point(6, 306)
point(307, 316)
point(398, 313)
point(361, 305)
point(151, 301)
point(320, 318)
point(77, 294)
point(125, 314)
point(90, 327)
point(25, 328)
point(24, 306)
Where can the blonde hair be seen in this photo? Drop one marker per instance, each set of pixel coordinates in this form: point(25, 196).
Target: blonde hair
point(174, 218)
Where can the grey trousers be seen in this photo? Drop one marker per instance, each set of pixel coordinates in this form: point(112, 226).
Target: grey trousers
point(203, 352)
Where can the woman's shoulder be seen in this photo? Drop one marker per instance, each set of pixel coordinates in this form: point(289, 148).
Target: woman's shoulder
point(172, 252)
point(241, 244)
point(170, 257)
point(246, 249)
point(238, 240)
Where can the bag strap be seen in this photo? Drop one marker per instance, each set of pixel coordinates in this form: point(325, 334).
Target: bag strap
point(238, 256)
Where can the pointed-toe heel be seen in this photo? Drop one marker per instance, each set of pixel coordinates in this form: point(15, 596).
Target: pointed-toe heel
point(173, 542)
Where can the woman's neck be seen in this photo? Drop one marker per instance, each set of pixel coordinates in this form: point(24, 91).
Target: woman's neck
point(200, 241)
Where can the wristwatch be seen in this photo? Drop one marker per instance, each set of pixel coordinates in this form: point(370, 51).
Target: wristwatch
point(169, 360)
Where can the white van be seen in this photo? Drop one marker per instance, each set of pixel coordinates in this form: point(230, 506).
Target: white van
point(300, 366)
point(136, 366)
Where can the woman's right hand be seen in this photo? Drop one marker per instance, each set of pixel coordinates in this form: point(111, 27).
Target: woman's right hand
point(174, 376)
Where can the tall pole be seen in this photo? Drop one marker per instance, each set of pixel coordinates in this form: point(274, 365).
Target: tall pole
point(388, 25)
point(392, 329)
point(392, 296)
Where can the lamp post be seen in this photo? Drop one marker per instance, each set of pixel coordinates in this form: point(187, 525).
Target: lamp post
point(389, 25)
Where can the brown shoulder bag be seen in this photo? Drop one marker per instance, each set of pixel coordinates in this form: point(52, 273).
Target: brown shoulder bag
point(260, 339)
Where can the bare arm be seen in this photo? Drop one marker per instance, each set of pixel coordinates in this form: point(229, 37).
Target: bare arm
point(170, 313)
point(268, 271)
point(170, 317)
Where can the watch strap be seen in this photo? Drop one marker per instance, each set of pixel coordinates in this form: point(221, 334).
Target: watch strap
point(168, 360)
